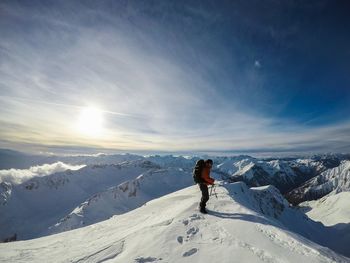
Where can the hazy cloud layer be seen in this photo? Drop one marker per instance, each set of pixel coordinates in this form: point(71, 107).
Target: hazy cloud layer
point(18, 176)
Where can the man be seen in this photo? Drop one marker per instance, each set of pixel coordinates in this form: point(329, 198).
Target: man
point(202, 177)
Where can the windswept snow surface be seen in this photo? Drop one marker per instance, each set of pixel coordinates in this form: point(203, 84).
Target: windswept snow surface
point(243, 225)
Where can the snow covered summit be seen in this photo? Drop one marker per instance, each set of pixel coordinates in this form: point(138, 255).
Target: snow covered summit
point(243, 225)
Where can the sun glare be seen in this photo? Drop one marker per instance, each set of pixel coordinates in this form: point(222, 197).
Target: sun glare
point(90, 122)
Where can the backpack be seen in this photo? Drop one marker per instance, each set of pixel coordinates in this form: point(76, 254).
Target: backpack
point(197, 171)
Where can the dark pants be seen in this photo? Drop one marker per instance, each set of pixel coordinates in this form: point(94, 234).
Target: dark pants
point(205, 195)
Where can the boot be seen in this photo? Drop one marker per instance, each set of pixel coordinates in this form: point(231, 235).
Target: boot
point(203, 210)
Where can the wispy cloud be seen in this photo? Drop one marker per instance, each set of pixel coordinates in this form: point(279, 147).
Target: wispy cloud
point(158, 89)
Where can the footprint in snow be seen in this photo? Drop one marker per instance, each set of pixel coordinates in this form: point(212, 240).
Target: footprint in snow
point(145, 260)
point(190, 252)
point(195, 217)
point(192, 218)
point(192, 231)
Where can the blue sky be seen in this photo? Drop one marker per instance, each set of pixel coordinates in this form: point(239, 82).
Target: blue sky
point(178, 76)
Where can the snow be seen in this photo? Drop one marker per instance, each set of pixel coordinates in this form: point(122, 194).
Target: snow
point(338, 178)
point(245, 170)
point(334, 180)
point(284, 174)
point(306, 165)
point(331, 209)
point(49, 198)
point(123, 209)
point(235, 165)
point(170, 229)
point(124, 197)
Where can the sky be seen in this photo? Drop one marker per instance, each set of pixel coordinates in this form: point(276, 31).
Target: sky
point(175, 76)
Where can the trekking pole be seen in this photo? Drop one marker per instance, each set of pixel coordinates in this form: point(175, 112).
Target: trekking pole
point(215, 192)
point(211, 190)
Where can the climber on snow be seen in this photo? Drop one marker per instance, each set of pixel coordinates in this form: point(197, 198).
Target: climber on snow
point(201, 176)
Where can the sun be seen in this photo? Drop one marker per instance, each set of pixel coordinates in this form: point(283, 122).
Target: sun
point(90, 122)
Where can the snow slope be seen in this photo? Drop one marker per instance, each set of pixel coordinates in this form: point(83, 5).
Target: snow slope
point(124, 197)
point(170, 229)
point(28, 209)
point(331, 209)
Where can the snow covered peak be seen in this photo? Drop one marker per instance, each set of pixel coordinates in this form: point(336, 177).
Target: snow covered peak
point(284, 174)
point(48, 198)
point(235, 166)
point(124, 197)
point(338, 177)
point(333, 180)
point(173, 161)
point(170, 229)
